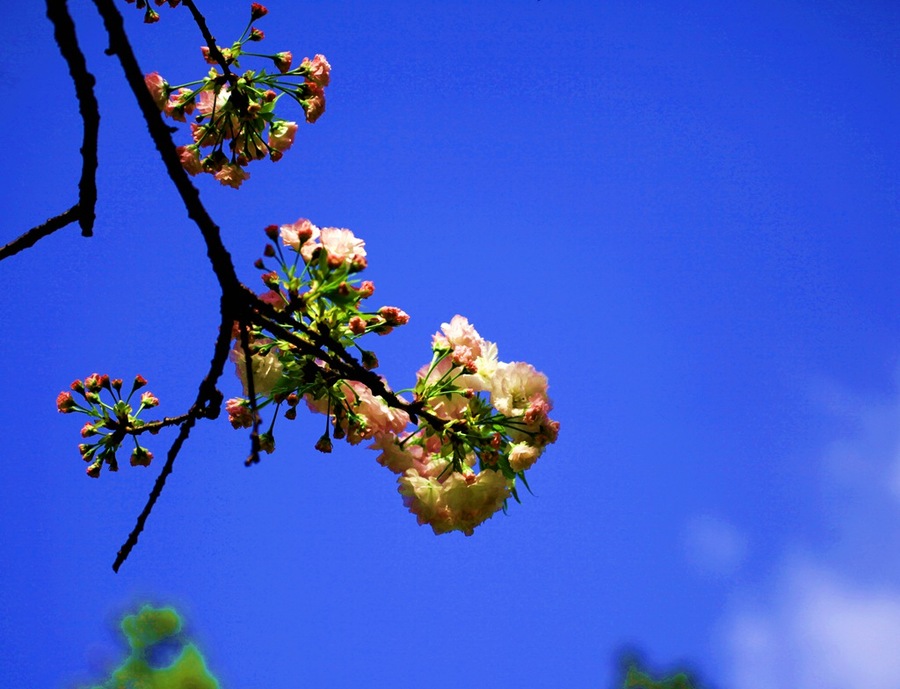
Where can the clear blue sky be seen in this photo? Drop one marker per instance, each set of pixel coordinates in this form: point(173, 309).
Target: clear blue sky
point(686, 215)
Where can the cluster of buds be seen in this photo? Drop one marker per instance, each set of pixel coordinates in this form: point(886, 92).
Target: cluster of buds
point(474, 426)
point(110, 421)
point(233, 114)
point(151, 16)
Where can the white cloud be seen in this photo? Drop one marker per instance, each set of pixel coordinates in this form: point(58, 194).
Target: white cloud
point(832, 620)
point(821, 633)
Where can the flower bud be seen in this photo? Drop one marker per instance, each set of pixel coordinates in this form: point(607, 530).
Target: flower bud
point(93, 469)
point(324, 444)
point(369, 360)
point(149, 400)
point(65, 403)
point(259, 265)
point(139, 382)
point(291, 413)
point(77, 386)
point(393, 316)
point(357, 325)
point(257, 11)
point(141, 457)
point(256, 35)
point(283, 61)
point(267, 443)
point(269, 251)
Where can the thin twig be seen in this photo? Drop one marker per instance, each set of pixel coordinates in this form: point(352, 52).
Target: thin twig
point(64, 33)
point(207, 404)
point(251, 392)
point(214, 51)
point(31, 237)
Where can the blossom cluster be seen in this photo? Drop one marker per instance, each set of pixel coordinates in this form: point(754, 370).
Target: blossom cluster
point(233, 115)
point(109, 423)
point(473, 426)
point(495, 420)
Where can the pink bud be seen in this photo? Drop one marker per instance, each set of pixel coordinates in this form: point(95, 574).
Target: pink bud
point(65, 403)
point(257, 11)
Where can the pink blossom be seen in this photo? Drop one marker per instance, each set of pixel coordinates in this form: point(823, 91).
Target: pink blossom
point(398, 459)
point(190, 159)
point(267, 370)
point(373, 415)
point(460, 336)
point(281, 135)
point(239, 414)
point(458, 503)
point(298, 233)
point(314, 103)
point(317, 70)
point(249, 147)
point(232, 175)
point(203, 134)
point(522, 456)
point(449, 406)
point(342, 246)
point(179, 104)
point(273, 298)
point(158, 88)
point(516, 387)
point(208, 101)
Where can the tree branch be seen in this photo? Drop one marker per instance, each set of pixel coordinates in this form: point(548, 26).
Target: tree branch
point(32, 236)
point(207, 405)
point(162, 137)
point(64, 33)
point(214, 51)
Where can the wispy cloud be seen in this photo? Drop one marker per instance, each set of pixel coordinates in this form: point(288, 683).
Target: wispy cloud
point(818, 632)
point(830, 619)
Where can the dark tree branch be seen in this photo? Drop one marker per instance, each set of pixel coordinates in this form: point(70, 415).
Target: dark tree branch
point(207, 405)
point(214, 51)
point(162, 136)
point(64, 33)
point(31, 237)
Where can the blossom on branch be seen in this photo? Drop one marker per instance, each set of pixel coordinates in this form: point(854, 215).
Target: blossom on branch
point(235, 112)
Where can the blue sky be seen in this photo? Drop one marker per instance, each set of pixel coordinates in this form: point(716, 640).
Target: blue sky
point(685, 216)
